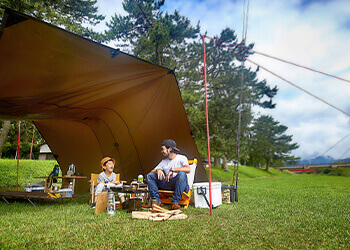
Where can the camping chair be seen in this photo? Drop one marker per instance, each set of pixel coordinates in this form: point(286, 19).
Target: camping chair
point(165, 195)
point(93, 183)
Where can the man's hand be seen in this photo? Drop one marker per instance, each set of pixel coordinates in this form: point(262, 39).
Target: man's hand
point(160, 174)
point(169, 175)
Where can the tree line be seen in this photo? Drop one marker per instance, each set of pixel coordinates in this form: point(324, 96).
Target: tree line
point(170, 40)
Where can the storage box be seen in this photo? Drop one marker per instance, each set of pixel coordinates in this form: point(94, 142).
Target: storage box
point(228, 193)
point(37, 189)
point(201, 189)
point(66, 192)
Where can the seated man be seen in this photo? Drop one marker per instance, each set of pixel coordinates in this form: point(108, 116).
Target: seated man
point(169, 174)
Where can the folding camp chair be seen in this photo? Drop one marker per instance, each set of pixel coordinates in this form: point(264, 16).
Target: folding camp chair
point(165, 195)
point(93, 183)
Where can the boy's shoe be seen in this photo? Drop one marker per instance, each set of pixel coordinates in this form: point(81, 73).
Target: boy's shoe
point(176, 206)
point(93, 205)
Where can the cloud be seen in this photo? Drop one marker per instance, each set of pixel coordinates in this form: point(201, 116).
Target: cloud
point(108, 8)
point(313, 37)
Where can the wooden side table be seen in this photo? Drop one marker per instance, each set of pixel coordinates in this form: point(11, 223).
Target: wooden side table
point(65, 181)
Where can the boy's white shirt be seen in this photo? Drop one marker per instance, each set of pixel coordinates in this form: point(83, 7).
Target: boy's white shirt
point(102, 177)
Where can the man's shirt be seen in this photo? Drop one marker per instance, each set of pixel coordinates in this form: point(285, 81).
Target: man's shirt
point(178, 162)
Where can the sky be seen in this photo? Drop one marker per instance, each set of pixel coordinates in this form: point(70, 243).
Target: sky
point(312, 33)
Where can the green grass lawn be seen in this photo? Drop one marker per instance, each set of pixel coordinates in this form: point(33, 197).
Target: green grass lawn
point(244, 173)
point(27, 170)
point(287, 211)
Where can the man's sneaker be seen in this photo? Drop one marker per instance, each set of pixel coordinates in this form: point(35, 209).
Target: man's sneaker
point(148, 205)
point(176, 206)
point(93, 205)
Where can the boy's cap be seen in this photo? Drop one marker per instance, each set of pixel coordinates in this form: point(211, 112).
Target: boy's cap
point(105, 159)
point(170, 143)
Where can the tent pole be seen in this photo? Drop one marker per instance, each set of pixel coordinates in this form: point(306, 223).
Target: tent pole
point(206, 114)
point(19, 137)
point(31, 146)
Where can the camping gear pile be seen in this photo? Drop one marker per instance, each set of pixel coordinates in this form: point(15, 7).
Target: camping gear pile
point(36, 187)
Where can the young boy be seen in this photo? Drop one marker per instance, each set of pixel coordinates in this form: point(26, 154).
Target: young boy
point(107, 177)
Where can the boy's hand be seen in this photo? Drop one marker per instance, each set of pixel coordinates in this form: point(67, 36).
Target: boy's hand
point(115, 182)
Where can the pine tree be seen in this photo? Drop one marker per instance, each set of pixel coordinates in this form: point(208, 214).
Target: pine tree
point(73, 16)
point(269, 143)
point(224, 80)
point(152, 34)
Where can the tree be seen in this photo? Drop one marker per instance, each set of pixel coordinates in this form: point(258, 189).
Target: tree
point(269, 143)
point(10, 146)
point(71, 15)
point(153, 35)
point(224, 80)
point(4, 132)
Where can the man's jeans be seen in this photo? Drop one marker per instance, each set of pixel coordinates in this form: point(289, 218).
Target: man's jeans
point(178, 184)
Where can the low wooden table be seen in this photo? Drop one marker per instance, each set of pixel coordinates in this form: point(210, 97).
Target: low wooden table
point(134, 194)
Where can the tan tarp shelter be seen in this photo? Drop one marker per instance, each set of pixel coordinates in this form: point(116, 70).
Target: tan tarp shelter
point(89, 100)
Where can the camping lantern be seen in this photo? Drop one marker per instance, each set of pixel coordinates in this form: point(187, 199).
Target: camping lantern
point(111, 203)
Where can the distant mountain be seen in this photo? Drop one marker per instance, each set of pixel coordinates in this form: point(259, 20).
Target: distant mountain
point(322, 159)
point(345, 160)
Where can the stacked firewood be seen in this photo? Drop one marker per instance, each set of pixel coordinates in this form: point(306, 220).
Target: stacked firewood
point(158, 213)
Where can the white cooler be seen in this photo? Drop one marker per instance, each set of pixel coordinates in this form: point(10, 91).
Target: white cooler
point(203, 187)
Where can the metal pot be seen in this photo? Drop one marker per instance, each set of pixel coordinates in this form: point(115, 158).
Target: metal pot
point(127, 187)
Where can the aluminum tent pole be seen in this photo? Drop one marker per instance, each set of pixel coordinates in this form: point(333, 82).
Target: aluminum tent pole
point(206, 114)
point(31, 146)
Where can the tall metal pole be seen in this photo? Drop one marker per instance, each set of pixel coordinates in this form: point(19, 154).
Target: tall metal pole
point(31, 146)
point(206, 114)
point(19, 137)
point(244, 38)
point(238, 133)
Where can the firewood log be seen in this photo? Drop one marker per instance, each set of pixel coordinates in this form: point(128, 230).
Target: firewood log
point(156, 207)
point(178, 216)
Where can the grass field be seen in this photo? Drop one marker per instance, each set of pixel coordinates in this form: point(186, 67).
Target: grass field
point(284, 211)
point(27, 170)
point(244, 173)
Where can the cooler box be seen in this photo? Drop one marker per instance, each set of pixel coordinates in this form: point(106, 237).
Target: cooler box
point(203, 188)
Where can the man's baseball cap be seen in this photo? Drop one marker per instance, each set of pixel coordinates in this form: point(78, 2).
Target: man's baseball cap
point(105, 159)
point(170, 143)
